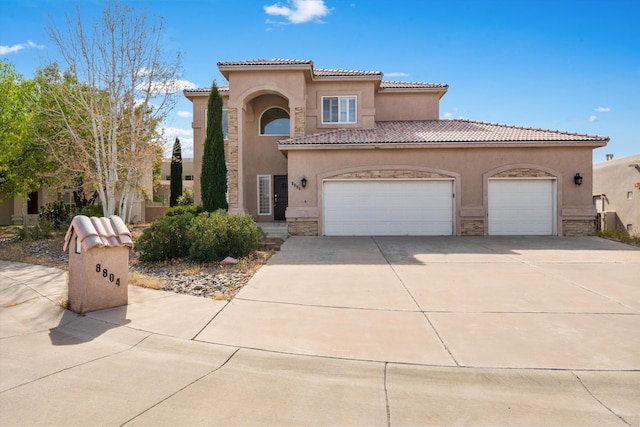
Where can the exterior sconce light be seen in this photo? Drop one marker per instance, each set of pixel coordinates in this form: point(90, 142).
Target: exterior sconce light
point(577, 179)
point(303, 182)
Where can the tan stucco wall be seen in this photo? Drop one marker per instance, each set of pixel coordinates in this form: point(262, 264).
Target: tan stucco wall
point(614, 179)
point(471, 168)
point(6, 210)
point(397, 105)
point(253, 91)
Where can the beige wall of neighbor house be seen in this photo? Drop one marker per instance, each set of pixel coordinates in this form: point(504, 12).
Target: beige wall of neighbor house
point(616, 191)
point(385, 131)
point(164, 187)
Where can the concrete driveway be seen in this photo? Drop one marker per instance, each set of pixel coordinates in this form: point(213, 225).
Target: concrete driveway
point(344, 331)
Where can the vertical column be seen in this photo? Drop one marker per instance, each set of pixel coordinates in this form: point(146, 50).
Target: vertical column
point(233, 159)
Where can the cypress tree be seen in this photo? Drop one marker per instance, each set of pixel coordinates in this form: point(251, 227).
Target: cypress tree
point(213, 178)
point(176, 173)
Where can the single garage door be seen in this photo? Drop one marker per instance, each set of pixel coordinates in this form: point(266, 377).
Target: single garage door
point(388, 207)
point(521, 207)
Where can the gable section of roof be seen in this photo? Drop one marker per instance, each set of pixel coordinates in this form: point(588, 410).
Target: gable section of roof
point(99, 232)
point(448, 132)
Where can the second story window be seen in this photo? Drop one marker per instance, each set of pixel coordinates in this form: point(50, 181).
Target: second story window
point(339, 109)
point(274, 121)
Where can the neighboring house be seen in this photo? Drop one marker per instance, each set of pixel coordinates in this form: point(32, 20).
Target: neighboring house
point(616, 191)
point(164, 189)
point(340, 152)
point(25, 210)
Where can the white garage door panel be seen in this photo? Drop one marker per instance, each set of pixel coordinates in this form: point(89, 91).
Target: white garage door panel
point(370, 208)
point(521, 207)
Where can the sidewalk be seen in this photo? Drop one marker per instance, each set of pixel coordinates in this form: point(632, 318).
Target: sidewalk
point(321, 337)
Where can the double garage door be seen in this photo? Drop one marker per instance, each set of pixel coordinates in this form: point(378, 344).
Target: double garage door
point(416, 207)
point(395, 207)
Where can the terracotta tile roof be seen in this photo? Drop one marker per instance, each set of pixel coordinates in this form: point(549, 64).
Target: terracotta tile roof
point(410, 85)
point(323, 72)
point(99, 232)
point(276, 61)
point(439, 132)
point(203, 90)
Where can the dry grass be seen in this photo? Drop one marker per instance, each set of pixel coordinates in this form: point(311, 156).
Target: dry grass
point(145, 281)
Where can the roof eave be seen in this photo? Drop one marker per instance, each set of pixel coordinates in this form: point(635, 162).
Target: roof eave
point(464, 144)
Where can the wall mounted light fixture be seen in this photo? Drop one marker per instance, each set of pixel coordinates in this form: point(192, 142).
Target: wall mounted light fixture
point(303, 182)
point(577, 179)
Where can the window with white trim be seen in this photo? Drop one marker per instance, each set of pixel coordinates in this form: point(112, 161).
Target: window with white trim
point(264, 194)
point(339, 109)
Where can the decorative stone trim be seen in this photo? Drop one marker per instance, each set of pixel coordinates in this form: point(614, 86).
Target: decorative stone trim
point(299, 121)
point(472, 228)
point(302, 228)
point(577, 227)
point(232, 158)
point(389, 174)
point(523, 173)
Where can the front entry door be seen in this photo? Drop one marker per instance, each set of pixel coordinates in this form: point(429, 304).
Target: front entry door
point(280, 196)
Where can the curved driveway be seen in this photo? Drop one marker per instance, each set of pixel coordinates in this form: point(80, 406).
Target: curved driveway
point(343, 331)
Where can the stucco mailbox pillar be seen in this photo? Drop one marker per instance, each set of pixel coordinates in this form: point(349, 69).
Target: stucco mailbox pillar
point(98, 263)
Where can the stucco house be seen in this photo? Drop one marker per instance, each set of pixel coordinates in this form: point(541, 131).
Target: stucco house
point(342, 152)
point(616, 191)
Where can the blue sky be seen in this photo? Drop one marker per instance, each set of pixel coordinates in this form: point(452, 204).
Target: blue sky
point(571, 65)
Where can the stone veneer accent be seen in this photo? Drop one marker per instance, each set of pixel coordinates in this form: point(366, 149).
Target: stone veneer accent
point(302, 228)
point(577, 227)
point(232, 157)
point(472, 228)
point(390, 173)
point(299, 121)
point(523, 172)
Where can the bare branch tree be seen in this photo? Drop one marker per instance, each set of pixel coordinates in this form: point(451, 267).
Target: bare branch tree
point(125, 84)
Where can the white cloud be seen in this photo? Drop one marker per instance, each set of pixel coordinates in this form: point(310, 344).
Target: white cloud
point(396, 74)
point(593, 118)
point(447, 116)
point(170, 86)
point(299, 11)
point(169, 135)
point(602, 109)
point(185, 114)
point(5, 50)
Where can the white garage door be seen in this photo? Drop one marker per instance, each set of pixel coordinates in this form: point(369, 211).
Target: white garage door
point(521, 207)
point(388, 207)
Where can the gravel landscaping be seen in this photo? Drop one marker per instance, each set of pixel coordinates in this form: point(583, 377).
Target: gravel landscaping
point(209, 280)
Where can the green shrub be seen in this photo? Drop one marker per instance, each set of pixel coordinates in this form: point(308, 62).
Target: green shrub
point(165, 238)
point(218, 235)
point(58, 214)
point(181, 210)
point(43, 230)
point(186, 199)
point(92, 210)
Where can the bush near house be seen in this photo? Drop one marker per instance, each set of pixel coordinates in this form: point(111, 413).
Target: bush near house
point(165, 238)
point(180, 210)
point(58, 214)
point(203, 238)
point(217, 235)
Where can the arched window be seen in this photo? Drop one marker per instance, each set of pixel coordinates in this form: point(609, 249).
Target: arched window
point(274, 121)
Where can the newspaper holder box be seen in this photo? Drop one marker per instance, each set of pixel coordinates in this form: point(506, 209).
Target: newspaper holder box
point(98, 263)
